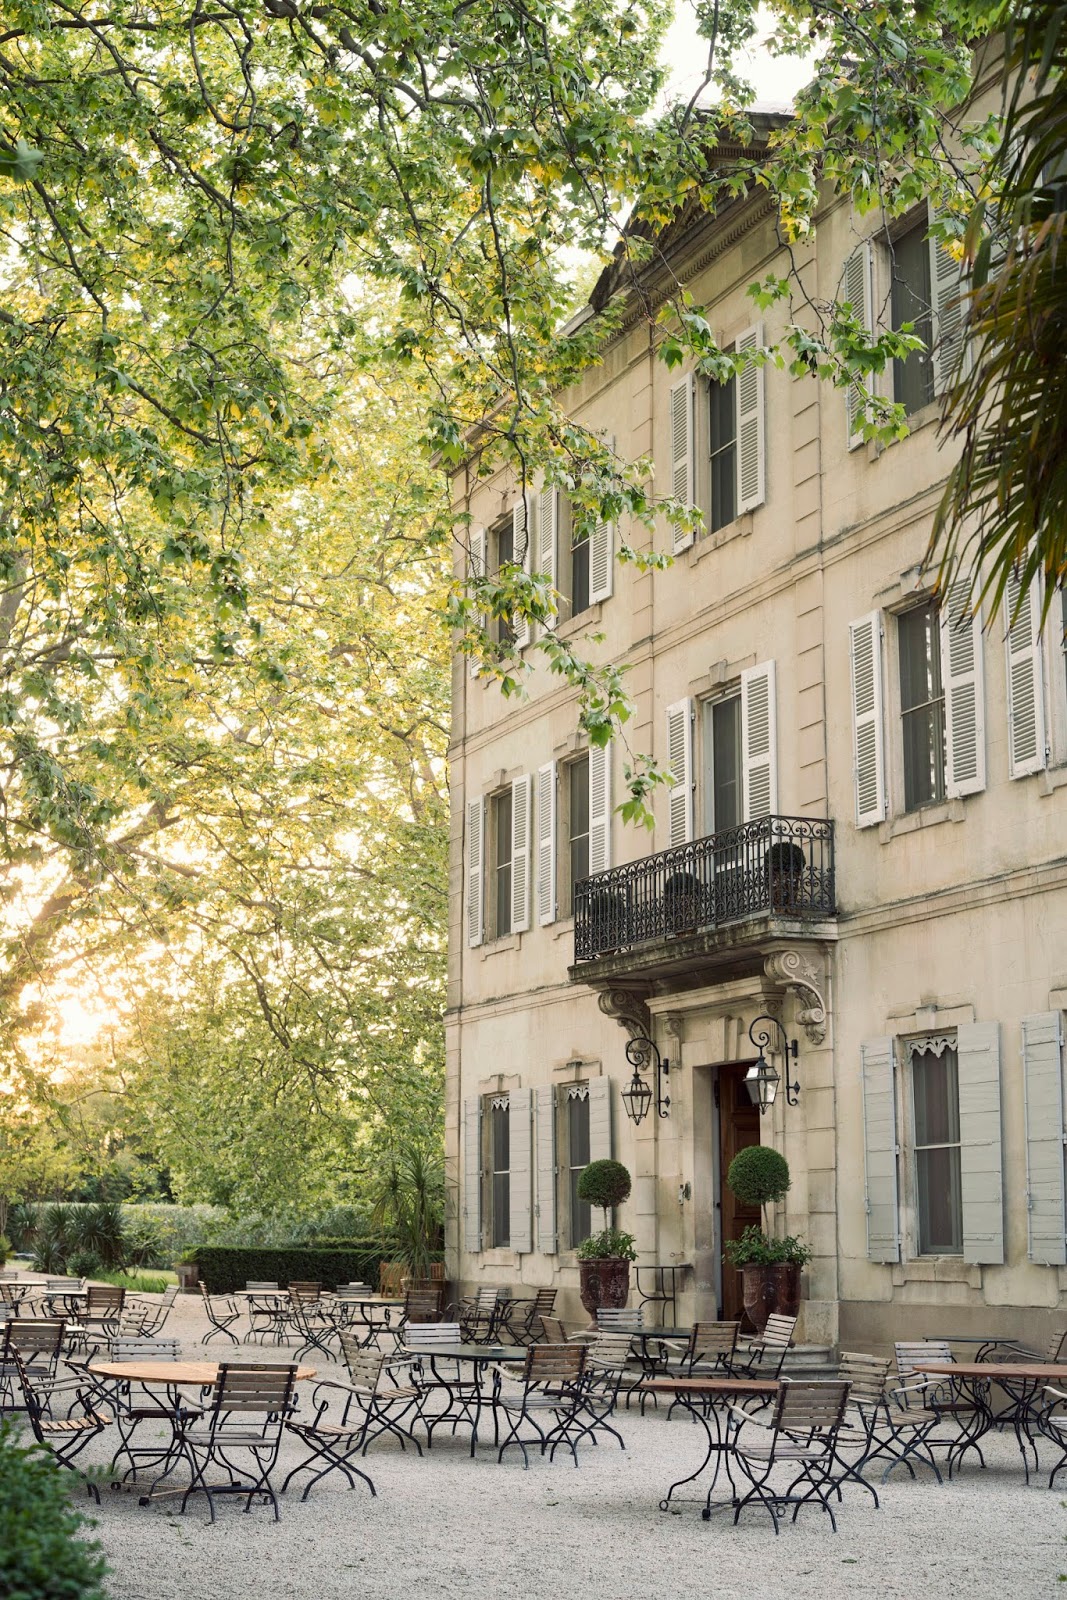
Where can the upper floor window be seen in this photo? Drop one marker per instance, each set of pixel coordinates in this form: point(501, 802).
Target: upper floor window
point(500, 831)
point(911, 302)
point(721, 739)
point(922, 706)
point(577, 775)
point(502, 554)
point(580, 547)
point(936, 1117)
point(722, 412)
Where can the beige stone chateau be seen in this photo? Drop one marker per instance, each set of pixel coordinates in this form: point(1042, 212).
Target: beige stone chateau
point(866, 840)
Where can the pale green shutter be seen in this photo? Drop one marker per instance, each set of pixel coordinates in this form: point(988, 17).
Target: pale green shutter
point(546, 843)
point(520, 854)
point(522, 533)
point(680, 765)
point(857, 289)
point(472, 1175)
point(947, 290)
point(759, 765)
point(548, 536)
point(961, 674)
point(683, 464)
point(520, 1136)
point(1026, 679)
point(1046, 1192)
point(748, 389)
point(547, 1242)
point(475, 871)
point(476, 568)
point(600, 1119)
point(599, 807)
point(868, 730)
point(880, 1149)
point(981, 1177)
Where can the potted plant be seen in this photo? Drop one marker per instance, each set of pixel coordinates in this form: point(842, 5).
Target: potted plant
point(785, 876)
point(604, 1258)
point(770, 1268)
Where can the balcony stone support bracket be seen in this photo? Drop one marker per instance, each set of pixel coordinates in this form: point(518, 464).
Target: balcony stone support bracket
point(805, 973)
point(629, 1009)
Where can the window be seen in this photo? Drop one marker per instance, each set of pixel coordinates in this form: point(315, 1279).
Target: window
point(913, 379)
point(503, 555)
point(500, 891)
point(936, 1114)
point(922, 706)
point(722, 763)
point(578, 589)
point(499, 1172)
point(578, 821)
point(722, 408)
point(576, 1145)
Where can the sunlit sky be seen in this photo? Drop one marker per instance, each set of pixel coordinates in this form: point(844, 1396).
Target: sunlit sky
point(775, 81)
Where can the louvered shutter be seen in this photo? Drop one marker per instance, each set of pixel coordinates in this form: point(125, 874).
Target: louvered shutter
point(601, 561)
point(600, 1119)
point(880, 1149)
point(520, 854)
point(857, 290)
point(476, 569)
point(748, 390)
point(522, 535)
point(472, 1174)
point(1046, 1192)
point(475, 871)
point(946, 292)
point(520, 1181)
point(962, 676)
point(547, 1242)
point(868, 732)
point(680, 763)
point(548, 536)
point(759, 763)
point(1026, 683)
point(546, 843)
point(981, 1179)
point(599, 807)
point(683, 475)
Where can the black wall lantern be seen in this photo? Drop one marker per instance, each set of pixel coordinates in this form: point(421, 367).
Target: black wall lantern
point(642, 1052)
point(762, 1079)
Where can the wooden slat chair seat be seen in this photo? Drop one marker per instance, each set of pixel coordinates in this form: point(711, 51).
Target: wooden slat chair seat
point(802, 1435)
point(222, 1312)
point(29, 1344)
point(249, 1408)
point(936, 1400)
point(66, 1435)
point(551, 1390)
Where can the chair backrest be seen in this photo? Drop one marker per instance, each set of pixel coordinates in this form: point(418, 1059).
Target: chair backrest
point(912, 1352)
point(169, 1296)
point(34, 1336)
point(865, 1374)
point(614, 1319)
point(305, 1293)
point(553, 1331)
point(61, 1285)
point(422, 1305)
point(243, 1387)
point(710, 1340)
point(9, 1296)
point(421, 1334)
point(134, 1349)
point(1056, 1346)
point(778, 1334)
point(255, 1283)
point(487, 1299)
point(544, 1303)
point(609, 1349)
point(365, 1367)
point(554, 1363)
point(809, 1408)
point(8, 1274)
point(104, 1298)
point(391, 1275)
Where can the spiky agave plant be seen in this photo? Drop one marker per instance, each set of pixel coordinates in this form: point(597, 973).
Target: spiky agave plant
point(97, 1230)
point(409, 1203)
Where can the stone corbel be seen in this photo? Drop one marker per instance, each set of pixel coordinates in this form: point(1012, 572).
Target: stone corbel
point(803, 972)
point(627, 1007)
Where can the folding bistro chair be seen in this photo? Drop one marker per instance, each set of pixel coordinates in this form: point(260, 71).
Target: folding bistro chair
point(710, 1346)
point(370, 1409)
point(249, 1408)
point(550, 1390)
point(100, 1319)
point(606, 1368)
point(222, 1312)
point(66, 1436)
point(29, 1345)
point(524, 1318)
point(130, 1409)
point(480, 1316)
point(145, 1316)
point(884, 1428)
point(936, 1400)
point(801, 1436)
point(766, 1353)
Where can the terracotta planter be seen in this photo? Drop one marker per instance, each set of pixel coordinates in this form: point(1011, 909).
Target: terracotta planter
point(768, 1291)
point(604, 1283)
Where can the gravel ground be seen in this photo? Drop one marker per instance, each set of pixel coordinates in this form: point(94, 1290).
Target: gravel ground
point(450, 1526)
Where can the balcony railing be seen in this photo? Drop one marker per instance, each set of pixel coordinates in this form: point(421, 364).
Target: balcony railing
point(778, 866)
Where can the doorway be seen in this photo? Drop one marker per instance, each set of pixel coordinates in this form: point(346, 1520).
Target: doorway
point(738, 1127)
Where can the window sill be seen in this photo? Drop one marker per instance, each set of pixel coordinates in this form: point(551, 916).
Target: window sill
point(563, 928)
point(739, 528)
point(590, 617)
point(925, 817)
point(926, 417)
point(496, 947)
point(937, 1269)
point(499, 1256)
point(1050, 779)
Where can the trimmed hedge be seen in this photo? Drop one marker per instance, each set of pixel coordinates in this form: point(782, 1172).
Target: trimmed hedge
point(227, 1267)
point(42, 1555)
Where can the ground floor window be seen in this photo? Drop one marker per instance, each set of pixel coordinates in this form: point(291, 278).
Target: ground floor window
point(499, 1196)
point(576, 1145)
point(936, 1120)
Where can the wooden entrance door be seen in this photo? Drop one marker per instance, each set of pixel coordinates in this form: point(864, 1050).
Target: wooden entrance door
point(738, 1127)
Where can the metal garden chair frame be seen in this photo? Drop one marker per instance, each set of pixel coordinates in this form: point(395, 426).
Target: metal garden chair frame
point(66, 1436)
point(767, 1352)
point(101, 1319)
point(926, 1398)
point(710, 1343)
point(887, 1430)
point(249, 1408)
point(368, 1412)
point(144, 1316)
point(481, 1314)
point(802, 1436)
point(552, 1389)
point(606, 1367)
point(222, 1312)
point(1053, 1424)
point(531, 1329)
point(130, 1410)
point(33, 1345)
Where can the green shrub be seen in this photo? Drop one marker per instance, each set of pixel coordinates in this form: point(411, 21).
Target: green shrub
point(755, 1249)
point(84, 1264)
point(758, 1175)
point(7, 1249)
point(139, 1282)
point(43, 1556)
point(611, 1244)
point(604, 1183)
point(98, 1230)
point(225, 1268)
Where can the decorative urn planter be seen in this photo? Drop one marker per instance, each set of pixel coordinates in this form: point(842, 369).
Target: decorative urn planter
point(604, 1282)
point(770, 1290)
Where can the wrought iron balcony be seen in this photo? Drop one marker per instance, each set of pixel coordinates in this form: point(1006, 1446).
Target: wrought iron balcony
point(778, 866)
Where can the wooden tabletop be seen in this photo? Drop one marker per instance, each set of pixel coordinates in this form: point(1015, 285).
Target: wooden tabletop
point(991, 1369)
point(201, 1373)
point(683, 1386)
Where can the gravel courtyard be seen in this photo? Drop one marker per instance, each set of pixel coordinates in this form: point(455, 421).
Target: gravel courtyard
point(449, 1526)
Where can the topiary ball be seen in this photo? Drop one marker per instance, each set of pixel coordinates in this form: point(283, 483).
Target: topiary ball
point(604, 1184)
point(758, 1175)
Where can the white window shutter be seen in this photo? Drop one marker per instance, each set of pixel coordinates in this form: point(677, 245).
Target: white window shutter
point(880, 1149)
point(947, 294)
point(522, 536)
point(599, 807)
point(1026, 680)
point(759, 759)
point(1046, 1190)
point(547, 1241)
point(601, 561)
point(546, 843)
point(748, 389)
point(520, 853)
point(476, 569)
point(548, 534)
point(981, 1176)
point(683, 474)
point(868, 730)
point(680, 763)
point(858, 290)
point(600, 1119)
point(475, 871)
point(472, 1174)
point(963, 679)
point(520, 1182)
